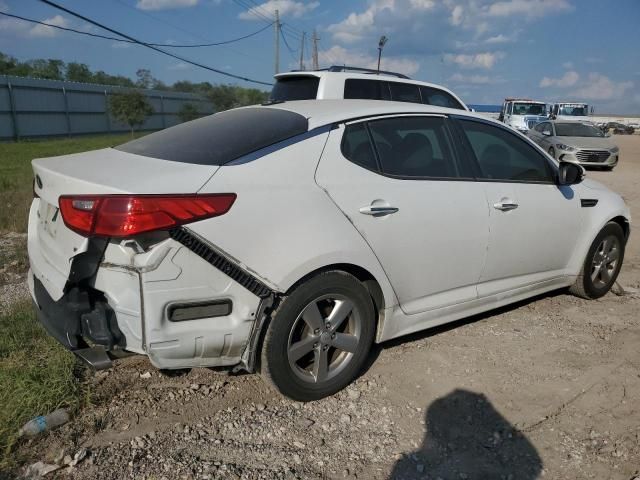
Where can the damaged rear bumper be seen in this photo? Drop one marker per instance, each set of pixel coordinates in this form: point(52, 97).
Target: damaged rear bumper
point(81, 321)
point(180, 303)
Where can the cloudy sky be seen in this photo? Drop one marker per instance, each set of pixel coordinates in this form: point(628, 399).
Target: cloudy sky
point(484, 50)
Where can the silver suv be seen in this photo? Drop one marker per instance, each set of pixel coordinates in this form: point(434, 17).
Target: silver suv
point(340, 82)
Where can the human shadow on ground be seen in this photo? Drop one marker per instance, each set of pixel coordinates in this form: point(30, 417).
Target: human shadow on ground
point(466, 438)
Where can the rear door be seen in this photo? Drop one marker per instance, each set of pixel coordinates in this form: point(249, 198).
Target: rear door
point(534, 223)
point(400, 183)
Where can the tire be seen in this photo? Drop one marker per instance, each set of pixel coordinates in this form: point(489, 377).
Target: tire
point(552, 152)
point(303, 358)
point(599, 272)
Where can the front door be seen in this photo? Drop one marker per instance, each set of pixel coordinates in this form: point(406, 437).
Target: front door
point(399, 182)
point(534, 223)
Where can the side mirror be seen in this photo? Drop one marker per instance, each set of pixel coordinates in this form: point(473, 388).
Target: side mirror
point(546, 133)
point(570, 173)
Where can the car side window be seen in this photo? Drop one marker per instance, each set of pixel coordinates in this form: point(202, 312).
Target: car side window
point(502, 155)
point(404, 92)
point(414, 147)
point(433, 96)
point(546, 128)
point(355, 88)
point(539, 127)
point(356, 146)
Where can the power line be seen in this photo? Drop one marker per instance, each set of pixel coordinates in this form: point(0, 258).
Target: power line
point(107, 37)
point(177, 27)
point(291, 50)
point(157, 49)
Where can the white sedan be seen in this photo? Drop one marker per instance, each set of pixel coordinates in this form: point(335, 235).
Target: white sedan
point(287, 238)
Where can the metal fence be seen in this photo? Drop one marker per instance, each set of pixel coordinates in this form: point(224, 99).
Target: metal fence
point(31, 107)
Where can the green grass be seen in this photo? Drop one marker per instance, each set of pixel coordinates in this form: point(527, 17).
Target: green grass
point(16, 176)
point(37, 375)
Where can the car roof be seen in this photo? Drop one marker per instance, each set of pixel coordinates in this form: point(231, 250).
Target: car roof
point(366, 76)
point(326, 112)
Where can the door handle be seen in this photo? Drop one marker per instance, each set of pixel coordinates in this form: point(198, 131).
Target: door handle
point(505, 205)
point(378, 211)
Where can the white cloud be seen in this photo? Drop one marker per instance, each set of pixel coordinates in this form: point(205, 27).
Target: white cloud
point(569, 79)
point(484, 60)
point(357, 25)
point(286, 8)
point(456, 15)
point(472, 79)
point(528, 8)
point(180, 66)
point(23, 29)
point(568, 65)
point(496, 39)
point(600, 87)
point(3, 6)
point(422, 4)
point(339, 55)
point(44, 31)
point(165, 4)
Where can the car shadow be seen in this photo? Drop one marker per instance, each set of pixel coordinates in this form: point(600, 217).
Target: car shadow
point(467, 438)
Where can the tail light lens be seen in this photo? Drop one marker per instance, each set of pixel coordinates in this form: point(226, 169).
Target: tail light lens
point(129, 215)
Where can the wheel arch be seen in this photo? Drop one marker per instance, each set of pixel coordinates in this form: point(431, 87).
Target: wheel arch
point(370, 282)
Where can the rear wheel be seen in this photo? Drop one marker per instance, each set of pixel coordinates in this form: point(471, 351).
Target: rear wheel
point(602, 265)
point(319, 337)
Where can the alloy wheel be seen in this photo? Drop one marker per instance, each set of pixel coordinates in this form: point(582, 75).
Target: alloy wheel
point(605, 261)
point(324, 338)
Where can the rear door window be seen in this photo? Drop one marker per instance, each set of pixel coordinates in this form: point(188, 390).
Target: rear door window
point(440, 98)
point(404, 92)
point(356, 146)
point(302, 87)
point(355, 88)
point(414, 147)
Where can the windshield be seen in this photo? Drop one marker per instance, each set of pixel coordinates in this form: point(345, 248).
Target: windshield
point(574, 110)
point(529, 109)
point(577, 130)
point(302, 87)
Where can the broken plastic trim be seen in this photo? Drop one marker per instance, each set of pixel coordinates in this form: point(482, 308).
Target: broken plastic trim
point(220, 262)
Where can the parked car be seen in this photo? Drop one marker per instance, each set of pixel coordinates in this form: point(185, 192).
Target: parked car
point(360, 83)
point(289, 238)
point(579, 142)
point(619, 128)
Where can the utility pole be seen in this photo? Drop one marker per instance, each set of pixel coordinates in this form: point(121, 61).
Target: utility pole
point(277, 39)
point(314, 54)
point(304, 34)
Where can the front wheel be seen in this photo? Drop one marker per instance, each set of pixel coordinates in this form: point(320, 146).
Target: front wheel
point(319, 337)
point(602, 265)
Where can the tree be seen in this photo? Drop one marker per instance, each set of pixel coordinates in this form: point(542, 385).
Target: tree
point(188, 112)
point(78, 72)
point(130, 107)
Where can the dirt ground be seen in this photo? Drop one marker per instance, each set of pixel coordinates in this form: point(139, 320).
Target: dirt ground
point(548, 388)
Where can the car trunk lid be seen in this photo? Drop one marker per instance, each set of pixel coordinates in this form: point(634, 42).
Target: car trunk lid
point(53, 246)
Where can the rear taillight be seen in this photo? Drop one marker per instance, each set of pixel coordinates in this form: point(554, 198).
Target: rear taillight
point(129, 215)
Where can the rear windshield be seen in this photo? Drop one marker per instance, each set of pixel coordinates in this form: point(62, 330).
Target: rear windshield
point(295, 88)
point(220, 138)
